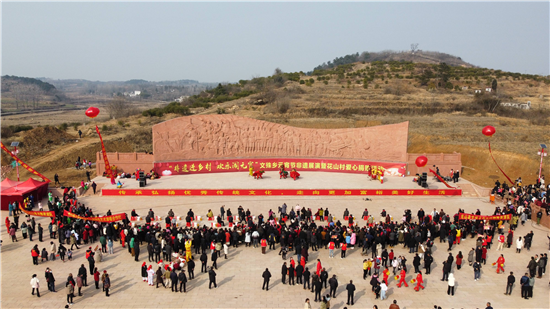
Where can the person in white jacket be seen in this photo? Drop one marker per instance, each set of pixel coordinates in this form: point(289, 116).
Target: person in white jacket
point(451, 288)
point(35, 284)
point(519, 245)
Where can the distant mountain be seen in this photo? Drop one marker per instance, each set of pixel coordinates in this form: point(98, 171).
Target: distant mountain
point(418, 56)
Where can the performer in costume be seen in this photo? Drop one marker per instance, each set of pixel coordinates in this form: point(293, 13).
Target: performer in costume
point(386, 274)
point(144, 271)
point(187, 250)
point(419, 282)
point(294, 174)
point(150, 275)
point(402, 276)
point(258, 174)
point(500, 263)
point(282, 172)
point(250, 170)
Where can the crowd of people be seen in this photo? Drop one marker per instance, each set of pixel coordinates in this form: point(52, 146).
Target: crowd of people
point(292, 231)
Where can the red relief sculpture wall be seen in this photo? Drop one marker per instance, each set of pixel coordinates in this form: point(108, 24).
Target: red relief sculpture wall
point(228, 136)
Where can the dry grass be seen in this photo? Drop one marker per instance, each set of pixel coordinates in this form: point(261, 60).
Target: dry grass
point(440, 121)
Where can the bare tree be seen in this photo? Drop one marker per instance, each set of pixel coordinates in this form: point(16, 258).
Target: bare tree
point(118, 107)
point(414, 47)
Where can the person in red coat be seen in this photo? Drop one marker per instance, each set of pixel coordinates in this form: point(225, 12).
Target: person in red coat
point(123, 238)
point(35, 253)
point(419, 282)
point(500, 263)
point(96, 278)
point(319, 267)
point(402, 276)
point(263, 243)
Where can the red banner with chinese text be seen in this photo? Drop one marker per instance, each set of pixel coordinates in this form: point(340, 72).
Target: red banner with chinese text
point(105, 159)
point(267, 164)
point(113, 218)
point(23, 164)
point(463, 216)
point(276, 192)
point(38, 213)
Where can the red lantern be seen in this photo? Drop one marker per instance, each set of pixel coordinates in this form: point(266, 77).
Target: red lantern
point(92, 112)
point(488, 131)
point(421, 161)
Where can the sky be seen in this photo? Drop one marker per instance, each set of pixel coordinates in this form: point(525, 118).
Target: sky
point(226, 42)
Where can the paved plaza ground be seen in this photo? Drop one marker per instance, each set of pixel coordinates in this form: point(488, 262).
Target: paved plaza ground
point(239, 277)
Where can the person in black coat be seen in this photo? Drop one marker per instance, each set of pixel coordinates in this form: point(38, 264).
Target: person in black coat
point(91, 262)
point(82, 271)
point(174, 279)
point(203, 259)
point(299, 273)
point(150, 250)
point(136, 249)
point(212, 277)
point(191, 269)
point(306, 278)
point(182, 279)
point(446, 270)
point(416, 263)
point(318, 288)
point(324, 277)
point(214, 258)
point(266, 275)
point(510, 284)
point(291, 275)
point(351, 289)
point(333, 282)
point(428, 260)
point(284, 271)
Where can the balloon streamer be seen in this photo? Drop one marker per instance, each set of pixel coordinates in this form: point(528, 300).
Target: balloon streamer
point(23, 164)
point(503, 173)
point(107, 166)
point(441, 179)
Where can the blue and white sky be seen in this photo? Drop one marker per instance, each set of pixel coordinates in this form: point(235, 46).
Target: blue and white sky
point(225, 42)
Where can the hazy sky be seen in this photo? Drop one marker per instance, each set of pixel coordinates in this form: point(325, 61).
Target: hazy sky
point(213, 42)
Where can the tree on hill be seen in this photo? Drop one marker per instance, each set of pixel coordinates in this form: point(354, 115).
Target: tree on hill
point(494, 85)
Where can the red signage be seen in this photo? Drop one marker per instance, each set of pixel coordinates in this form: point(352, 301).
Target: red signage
point(38, 213)
point(463, 216)
point(243, 165)
point(113, 218)
point(275, 192)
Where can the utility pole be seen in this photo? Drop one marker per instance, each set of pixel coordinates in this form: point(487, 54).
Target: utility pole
point(543, 153)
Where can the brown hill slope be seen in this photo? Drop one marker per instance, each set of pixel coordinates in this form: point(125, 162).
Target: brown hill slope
point(443, 117)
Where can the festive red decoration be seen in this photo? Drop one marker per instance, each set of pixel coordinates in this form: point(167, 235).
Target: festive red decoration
point(92, 112)
point(421, 161)
point(488, 131)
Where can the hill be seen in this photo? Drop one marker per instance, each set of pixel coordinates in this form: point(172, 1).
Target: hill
point(24, 93)
point(440, 102)
point(416, 56)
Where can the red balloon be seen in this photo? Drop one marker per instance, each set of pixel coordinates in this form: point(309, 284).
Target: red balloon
point(92, 112)
point(488, 131)
point(421, 161)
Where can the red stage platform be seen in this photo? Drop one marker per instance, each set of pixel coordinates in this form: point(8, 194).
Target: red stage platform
point(309, 184)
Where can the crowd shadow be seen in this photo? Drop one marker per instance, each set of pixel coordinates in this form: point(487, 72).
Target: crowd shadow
point(225, 280)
